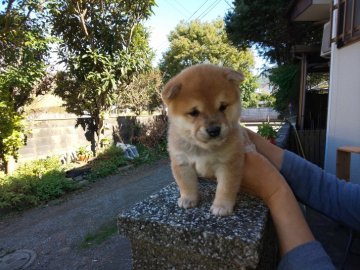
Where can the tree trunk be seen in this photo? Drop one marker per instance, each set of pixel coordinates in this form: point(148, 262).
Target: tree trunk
point(99, 129)
point(10, 166)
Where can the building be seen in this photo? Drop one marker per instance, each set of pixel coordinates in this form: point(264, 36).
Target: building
point(341, 45)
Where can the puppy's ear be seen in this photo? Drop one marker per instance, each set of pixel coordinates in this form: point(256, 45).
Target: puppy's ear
point(170, 91)
point(235, 76)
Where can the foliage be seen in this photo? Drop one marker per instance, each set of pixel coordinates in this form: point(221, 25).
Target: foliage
point(83, 154)
point(267, 131)
point(106, 163)
point(12, 131)
point(273, 33)
point(317, 81)
point(23, 49)
point(150, 154)
point(103, 45)
point(105, 142)
point(42, 180)
point(284, 80)
point(195, 42)
point(34, 183)
point(266, 99)
point(153, 133)
point(247, 94)
point(143, 93)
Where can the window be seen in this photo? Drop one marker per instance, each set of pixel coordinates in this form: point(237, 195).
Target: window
point(348, 27)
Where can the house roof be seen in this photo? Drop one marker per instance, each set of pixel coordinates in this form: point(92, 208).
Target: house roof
point(317, 11)
point(310, 10)
point(315, 63)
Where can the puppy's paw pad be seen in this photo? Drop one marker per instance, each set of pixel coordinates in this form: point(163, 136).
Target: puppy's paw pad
point(187, 202)
point(221, 210)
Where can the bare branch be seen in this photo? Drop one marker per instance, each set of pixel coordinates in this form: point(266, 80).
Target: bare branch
point(7, 16)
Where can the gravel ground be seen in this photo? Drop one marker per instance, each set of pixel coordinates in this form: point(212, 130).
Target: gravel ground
point(56, 231)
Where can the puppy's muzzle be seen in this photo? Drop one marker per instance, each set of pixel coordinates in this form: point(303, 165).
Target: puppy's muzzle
point(213, 131)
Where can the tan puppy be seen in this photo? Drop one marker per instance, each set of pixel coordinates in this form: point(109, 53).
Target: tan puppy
point(205, 138)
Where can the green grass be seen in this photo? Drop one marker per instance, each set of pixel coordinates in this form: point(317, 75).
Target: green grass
point(102, 234)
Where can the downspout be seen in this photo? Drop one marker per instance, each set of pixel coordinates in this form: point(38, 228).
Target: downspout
point(302, 94)
point(329, 133)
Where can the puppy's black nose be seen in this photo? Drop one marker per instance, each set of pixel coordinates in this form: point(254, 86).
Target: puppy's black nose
point(213, 131)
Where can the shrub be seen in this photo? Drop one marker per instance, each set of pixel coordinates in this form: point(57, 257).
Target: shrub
point(107, 162)
point(152, 134)
point(34, 183)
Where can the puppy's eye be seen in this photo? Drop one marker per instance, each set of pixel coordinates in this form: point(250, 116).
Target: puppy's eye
point(222, 107)
point(194, 113)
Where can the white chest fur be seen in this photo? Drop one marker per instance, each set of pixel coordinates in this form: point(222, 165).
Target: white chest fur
point(205, 164)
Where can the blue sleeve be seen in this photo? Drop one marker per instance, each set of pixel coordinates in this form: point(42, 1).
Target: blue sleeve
point(337, 199)
point(307, 256)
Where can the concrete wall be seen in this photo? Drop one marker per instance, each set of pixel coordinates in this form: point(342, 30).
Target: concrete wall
point(65, 134)
point(343, 127)
point(61, 134)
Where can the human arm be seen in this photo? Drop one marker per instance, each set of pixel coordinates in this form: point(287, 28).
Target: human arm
point(262, 179)
point(298, 248)
point(336, 198)
point(314, 187)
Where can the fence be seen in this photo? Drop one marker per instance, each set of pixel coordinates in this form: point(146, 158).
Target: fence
point(259, 115)
point(312, 143)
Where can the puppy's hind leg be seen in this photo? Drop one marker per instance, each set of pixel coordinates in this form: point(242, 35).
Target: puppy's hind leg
point(186, 179)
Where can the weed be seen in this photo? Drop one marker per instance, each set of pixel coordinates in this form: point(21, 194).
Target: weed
point(101, 235)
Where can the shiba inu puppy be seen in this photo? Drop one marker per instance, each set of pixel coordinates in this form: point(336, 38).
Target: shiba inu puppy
point(205, 138)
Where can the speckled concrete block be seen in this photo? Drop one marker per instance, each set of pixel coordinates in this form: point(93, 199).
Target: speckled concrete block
point(165, 236)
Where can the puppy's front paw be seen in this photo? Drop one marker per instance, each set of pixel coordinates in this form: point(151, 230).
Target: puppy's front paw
point(222, 209)
point(187, 202)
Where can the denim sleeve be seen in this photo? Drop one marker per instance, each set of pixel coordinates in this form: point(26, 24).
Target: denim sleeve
point(307, 256)
point(337, 199)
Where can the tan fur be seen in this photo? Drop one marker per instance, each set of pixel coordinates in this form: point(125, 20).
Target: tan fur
point(196, 99)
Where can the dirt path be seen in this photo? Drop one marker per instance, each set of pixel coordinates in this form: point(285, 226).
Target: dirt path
point(56, 231)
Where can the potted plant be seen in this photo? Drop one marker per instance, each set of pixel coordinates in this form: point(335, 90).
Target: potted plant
point(267, 131)
point(83, 154)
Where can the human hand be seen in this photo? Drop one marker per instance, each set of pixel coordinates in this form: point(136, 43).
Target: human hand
point(272, 152)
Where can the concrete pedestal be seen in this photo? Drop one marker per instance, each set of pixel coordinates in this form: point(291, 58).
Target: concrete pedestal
point(164, 236)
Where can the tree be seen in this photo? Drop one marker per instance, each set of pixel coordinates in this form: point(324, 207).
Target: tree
point(195, 42)
point(266, 99)
point(143, 93)
point(103, 45)
point(284, 79)
point(23, 50)
point(266, 25)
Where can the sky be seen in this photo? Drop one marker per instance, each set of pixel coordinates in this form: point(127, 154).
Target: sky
point(168, 13)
